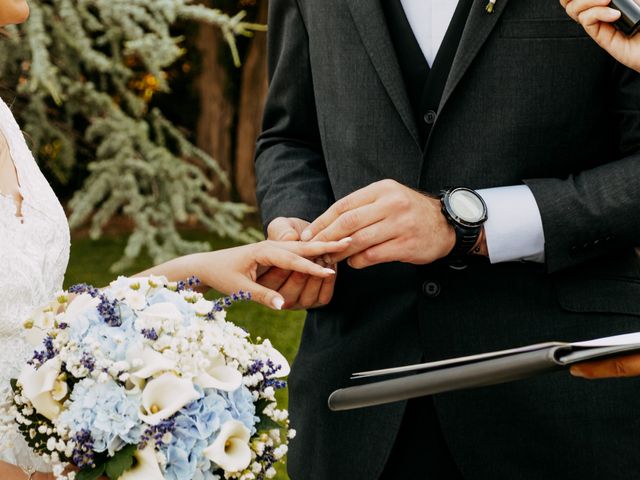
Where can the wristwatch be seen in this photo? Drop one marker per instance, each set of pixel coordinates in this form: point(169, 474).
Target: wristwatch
point(466, 211)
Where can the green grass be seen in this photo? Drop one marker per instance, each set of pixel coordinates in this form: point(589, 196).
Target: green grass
point(90, 262)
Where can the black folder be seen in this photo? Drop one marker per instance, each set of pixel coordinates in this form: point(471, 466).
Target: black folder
point(476, 371)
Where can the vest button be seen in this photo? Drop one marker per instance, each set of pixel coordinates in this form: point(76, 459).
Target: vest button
point(430, 117)
point(431, 289)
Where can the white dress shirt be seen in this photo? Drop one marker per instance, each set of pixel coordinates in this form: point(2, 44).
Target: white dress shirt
point(514, 229)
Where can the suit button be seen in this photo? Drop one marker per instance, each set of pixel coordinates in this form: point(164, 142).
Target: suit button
point(431, 289)
point(430, 117)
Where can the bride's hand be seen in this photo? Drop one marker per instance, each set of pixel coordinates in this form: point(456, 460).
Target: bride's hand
point(13, 472)
point(236, 269)
point(596, 18)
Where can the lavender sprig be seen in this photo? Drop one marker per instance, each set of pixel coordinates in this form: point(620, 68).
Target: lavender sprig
point(107, 308)
point(157, 432)
point(83, 454)
point(269, 381)
point(41, 356)
point(222, 303)
point(188, 284)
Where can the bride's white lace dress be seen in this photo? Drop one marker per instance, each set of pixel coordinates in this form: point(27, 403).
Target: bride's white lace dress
point(34, 251)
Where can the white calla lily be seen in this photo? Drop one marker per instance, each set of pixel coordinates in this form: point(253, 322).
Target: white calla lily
point(278, 359)
point(60, 390)
point(161, 311)
point(41, 385)
point(146, 467)
point(35, 336)
point(164, 396)
point(151, 362)
point(218, 375)
point(79, 306)
point(203, 307)
point(40, 322)
point(159, 315)
point(230, 451)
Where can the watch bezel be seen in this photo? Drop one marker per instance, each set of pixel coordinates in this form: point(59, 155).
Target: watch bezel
point(446, 202)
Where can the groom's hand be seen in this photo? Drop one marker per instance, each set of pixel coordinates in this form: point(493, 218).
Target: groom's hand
point(596, 17)
point(388, 222)
point(300, 291)
point(625, 366)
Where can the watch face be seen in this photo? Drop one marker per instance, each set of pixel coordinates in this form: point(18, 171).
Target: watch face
point(467, 206)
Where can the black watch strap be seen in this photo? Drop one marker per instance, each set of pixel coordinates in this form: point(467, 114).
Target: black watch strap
point(466, 239)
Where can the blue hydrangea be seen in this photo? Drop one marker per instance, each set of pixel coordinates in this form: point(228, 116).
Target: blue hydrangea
point(105, 410)
point(197, 425)
point(115, 342)
point(167, 296)
point(83, 324)
point(241, 407)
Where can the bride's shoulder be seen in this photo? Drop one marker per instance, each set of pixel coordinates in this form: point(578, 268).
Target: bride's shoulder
point(6, 115)
point(36, 190)
point(13, 133)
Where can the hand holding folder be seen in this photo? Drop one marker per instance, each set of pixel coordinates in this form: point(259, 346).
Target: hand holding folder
point(477, 370)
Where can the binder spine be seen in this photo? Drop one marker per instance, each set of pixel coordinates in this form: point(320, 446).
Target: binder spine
point(481, 374)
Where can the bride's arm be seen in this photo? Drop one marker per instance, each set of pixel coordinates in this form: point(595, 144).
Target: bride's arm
point(12, 472)
point(9, 471)
point(234, 269)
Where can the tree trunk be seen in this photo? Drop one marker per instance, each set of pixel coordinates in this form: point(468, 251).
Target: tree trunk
point(250, 108)
point(217, 108)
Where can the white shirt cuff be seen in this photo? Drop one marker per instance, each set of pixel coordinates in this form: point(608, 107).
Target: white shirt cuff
point(514, 228)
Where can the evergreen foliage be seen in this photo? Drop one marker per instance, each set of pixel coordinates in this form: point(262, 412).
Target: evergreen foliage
point(85, 72)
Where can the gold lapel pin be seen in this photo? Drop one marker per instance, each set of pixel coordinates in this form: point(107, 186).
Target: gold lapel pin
point(490, 6)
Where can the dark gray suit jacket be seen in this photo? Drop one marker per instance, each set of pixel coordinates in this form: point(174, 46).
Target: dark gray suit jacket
point(529, 99)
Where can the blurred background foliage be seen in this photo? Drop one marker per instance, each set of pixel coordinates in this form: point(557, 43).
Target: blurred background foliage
point(143, 115)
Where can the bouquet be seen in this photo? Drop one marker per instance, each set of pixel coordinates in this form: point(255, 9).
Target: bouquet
point(147, 380)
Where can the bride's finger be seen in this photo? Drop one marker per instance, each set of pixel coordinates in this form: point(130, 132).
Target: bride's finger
point(272, 256)
point(265, 296)
point(315, 249)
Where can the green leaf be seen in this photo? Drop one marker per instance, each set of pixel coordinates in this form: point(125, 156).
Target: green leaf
point(261, 404)
point(266, 423)
point(120, 462)
point(92, 474)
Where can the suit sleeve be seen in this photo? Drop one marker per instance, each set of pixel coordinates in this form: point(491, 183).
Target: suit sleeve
point(291, 173)
point(596, 211)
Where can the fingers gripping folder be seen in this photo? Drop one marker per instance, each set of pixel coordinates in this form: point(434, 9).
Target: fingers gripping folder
point(476, 371)
point(629, 21)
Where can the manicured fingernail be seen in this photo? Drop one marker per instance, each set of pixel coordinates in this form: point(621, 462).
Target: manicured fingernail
point(346, 240)
point(306, 235)
point(277, 303)
point(329, 271)
point(576, 372)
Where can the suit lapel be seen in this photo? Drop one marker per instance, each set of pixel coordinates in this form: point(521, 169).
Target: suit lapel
point(479, 26)
point(372, 27)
